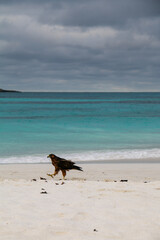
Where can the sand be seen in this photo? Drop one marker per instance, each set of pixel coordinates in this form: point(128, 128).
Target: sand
point(93, 204)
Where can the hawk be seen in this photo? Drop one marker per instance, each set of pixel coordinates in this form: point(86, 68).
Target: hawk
point(62, 165)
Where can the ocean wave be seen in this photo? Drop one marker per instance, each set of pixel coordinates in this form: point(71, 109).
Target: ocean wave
point(137, 154)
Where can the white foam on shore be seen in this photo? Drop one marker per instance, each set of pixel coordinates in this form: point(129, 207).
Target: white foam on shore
point(138, 154)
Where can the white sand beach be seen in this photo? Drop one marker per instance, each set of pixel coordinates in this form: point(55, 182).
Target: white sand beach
point(93, 204)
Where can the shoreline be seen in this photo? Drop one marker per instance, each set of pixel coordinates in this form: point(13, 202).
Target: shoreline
point(114, 161)
point(91, 172)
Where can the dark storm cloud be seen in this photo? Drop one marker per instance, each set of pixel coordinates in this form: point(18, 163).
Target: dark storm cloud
point(80, 45)
point(102, 12)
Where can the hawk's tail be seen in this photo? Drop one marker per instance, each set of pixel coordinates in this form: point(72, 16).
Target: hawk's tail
point(77, 168)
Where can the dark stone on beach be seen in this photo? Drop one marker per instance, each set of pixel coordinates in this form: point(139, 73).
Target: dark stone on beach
point(123, 180)
point(62, 183)
point(115, 181)
point(57, 183)
point(95, 230)
point(44, 192)
point(34, 179)
point(145, 182)
point(41, 178)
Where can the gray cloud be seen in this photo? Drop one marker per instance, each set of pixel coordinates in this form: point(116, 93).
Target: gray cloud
point(80, 46)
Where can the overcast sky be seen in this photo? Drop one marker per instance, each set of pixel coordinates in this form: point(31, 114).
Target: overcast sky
point(85, 45)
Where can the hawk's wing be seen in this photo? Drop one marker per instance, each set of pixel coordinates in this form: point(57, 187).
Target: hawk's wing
point(65, 164)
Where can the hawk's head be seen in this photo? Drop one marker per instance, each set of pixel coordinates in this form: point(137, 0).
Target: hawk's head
point(51, 156)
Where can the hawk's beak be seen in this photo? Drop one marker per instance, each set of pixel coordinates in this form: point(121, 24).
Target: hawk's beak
point(48, 156)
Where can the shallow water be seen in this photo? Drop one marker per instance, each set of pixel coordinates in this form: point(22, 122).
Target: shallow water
point(79, 126)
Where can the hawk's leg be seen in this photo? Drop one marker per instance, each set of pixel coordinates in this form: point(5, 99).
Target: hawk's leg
point(63, 173)
point(51, 175)
point(54, 174)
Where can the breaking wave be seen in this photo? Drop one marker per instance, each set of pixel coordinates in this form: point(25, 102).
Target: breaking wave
point(137, 154)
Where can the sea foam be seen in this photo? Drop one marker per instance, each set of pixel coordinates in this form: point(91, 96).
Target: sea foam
point(137, 154)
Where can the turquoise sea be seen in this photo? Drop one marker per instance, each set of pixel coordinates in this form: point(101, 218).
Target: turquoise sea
point(79, 126)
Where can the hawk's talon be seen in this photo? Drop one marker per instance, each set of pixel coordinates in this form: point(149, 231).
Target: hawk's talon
point(51, 175)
